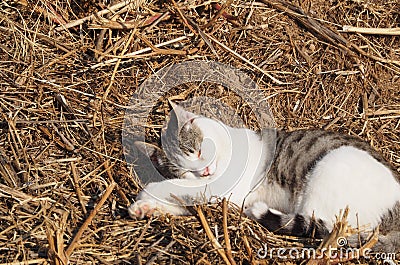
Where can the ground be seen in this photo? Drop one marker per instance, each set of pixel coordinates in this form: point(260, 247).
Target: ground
point(65, 89)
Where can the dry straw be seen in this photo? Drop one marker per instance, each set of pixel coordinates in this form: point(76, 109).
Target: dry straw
point(69, 68)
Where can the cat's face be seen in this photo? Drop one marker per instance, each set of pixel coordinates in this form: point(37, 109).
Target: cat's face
point(195, 144)
point(199, 140)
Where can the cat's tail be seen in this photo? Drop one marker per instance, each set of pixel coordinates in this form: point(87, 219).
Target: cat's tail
point(306, 226)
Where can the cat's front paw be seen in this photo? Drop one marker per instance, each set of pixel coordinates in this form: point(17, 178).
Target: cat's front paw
point(143, 208)
point(257, 210)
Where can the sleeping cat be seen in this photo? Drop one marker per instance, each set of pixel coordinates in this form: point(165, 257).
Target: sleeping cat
point(314, 174)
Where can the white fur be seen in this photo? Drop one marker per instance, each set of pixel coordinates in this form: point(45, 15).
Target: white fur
point(147, 204)
point(350, 177)
point(272, 194)
point(257, 210)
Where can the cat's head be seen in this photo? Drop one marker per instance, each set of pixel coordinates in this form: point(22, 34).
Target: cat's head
point(193, 146)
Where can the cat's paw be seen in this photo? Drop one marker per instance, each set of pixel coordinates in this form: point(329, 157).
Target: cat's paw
point(151, 207)
point(143, 208)
point(257, 210)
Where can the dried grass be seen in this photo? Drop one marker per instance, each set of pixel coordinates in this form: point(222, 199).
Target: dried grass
point(65, 82)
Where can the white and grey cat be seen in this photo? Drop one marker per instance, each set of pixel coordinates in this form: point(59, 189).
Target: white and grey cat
point(314, 174)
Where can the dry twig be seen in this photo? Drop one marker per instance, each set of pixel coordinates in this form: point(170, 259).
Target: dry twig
point(84, 226)
point(211, 237)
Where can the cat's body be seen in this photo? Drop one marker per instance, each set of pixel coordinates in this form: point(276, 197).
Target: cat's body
point(313, 173)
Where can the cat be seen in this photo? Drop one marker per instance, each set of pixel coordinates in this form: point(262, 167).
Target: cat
point(313, 175)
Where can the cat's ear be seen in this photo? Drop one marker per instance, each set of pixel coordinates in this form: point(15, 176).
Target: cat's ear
point(181, 114)
point(153, 152)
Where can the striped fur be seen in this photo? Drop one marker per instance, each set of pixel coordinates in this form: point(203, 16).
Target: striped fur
point(297, 152)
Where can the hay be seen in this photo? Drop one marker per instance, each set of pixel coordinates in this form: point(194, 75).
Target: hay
point(68, 69)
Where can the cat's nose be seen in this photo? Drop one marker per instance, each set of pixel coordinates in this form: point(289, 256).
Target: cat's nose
point(206, 172)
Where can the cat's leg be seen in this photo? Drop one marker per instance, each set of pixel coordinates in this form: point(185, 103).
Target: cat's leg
point(286, 224)
point(387, 243)
point(169, 196)
point(153, 201)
